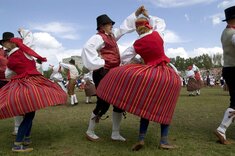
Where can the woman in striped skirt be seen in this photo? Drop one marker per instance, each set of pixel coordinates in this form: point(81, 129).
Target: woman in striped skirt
point(149, 91)
point(27, 91)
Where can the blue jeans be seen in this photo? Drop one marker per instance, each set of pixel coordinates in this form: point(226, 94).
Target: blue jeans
point(25, 127)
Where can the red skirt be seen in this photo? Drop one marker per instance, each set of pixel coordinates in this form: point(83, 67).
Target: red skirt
point(23, 95)
point(150, 92)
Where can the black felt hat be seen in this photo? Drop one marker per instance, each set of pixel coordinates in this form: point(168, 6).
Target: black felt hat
point(103, 19)
point(229, 13)
point(6, 36)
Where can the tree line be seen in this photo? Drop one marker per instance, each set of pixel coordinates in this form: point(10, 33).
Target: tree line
point(203, 61)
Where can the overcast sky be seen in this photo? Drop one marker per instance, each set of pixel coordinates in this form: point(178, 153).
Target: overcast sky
point(62, 27)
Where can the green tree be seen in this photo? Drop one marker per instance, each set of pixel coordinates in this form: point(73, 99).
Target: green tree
point(217, 60)
point(207, 61)
point(180, 63)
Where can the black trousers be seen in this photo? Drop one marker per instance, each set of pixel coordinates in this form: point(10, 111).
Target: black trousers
point(229, 77)
point(2, 83)
point(101, 105)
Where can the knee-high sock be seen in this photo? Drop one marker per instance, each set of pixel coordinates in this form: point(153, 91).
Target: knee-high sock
point(18, 120)
point(92, 123)
point(88, 99)
point(226, 121)
point(75, 98)
point(72, 99)
point(117, 118)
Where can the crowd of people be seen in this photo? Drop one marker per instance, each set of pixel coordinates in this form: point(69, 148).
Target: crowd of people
point(112, 77)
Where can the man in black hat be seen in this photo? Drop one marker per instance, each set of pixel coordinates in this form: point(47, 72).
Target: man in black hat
point(100, 54)
point(6, 36)
point(228, 44)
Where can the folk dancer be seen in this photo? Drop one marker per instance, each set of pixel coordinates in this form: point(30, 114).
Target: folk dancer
point(72, 75)
point(100, 54)
point(27, 91)
point(160, 84)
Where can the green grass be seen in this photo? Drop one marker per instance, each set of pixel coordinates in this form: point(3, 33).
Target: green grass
point(60, 130)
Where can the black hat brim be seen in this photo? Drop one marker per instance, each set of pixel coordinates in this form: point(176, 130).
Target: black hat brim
point(231, 17)
point(106, 23)
point(1, 41)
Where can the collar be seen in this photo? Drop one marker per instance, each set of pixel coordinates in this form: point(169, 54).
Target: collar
point(231, 26)
point(145, 34)
point(12, 51)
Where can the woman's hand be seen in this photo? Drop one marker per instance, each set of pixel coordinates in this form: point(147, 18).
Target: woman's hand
point(139, 11)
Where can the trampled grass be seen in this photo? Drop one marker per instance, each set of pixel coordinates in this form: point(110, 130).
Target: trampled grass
point(60, 130)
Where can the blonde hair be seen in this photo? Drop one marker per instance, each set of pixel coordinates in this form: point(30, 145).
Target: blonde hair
point(142, 28)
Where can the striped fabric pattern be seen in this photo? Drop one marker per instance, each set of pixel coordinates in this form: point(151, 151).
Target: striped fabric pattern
point(28, 94)
point(146, 91)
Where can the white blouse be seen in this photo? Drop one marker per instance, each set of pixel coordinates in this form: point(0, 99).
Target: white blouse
point(90, 53)
point(158, 25)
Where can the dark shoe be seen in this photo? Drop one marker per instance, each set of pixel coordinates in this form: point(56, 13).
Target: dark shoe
point(138, 146)
point(191, 95)
point(167, 146)
point(21, 148)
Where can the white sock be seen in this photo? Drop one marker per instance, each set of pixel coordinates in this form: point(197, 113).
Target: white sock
point(87, 99)
point(92, 123)
point(117, 118)
point(226, 121)
point(75, 98)
point(72, 100)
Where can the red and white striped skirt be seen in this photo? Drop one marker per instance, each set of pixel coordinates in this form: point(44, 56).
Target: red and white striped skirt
point(20, 96)
point(150, 92)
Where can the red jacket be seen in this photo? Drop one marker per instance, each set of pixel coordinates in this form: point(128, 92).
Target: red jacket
point(21, 65)
point(3, 64)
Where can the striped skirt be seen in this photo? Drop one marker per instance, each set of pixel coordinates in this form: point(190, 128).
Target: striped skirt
point(31, 93)
point(150, 92)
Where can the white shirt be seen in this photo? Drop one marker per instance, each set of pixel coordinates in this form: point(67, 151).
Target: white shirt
point(158, 25)
point(27, 37)
point(90, 53)
point(39, 67)
point(56, 75)
point(72, 70)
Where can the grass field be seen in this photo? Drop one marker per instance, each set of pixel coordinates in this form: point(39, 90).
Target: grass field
point(59, 131)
